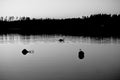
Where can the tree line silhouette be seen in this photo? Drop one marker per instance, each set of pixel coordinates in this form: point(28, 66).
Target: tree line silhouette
point(98, 25)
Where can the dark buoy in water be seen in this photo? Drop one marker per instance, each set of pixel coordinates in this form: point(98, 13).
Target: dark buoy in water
point(61, 40)
point(81, 54)
point(25, 51)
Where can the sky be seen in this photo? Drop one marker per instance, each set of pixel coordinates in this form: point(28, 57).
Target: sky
point(58, 8)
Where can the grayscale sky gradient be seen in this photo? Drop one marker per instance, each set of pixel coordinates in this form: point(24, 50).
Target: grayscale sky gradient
point(58, 8)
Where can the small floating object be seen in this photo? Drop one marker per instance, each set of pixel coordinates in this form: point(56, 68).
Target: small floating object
point(25, 51)
point(61, 40)
point(81, 54)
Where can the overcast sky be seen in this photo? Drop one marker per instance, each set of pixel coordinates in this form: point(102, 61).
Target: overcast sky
point(57, 8)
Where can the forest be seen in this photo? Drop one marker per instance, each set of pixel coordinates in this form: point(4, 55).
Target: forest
point(97, 25)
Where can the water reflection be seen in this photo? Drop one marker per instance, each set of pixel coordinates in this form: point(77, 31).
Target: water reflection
point(55, 38)
point(57, 60)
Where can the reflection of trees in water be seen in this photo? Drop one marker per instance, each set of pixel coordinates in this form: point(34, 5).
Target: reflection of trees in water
point(62, 39)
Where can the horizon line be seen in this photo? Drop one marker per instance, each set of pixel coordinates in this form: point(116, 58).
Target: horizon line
point(17, 18)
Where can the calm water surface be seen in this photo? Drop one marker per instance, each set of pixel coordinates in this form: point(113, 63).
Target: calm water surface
point(54, 60)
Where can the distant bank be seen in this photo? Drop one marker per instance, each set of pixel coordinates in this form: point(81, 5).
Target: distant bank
point(99, 25)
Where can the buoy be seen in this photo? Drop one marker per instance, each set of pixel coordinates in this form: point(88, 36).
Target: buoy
point(25, 51)
point(81, 54)
point(61, 40)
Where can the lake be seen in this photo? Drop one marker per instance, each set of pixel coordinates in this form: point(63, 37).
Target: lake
point(58, 60)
